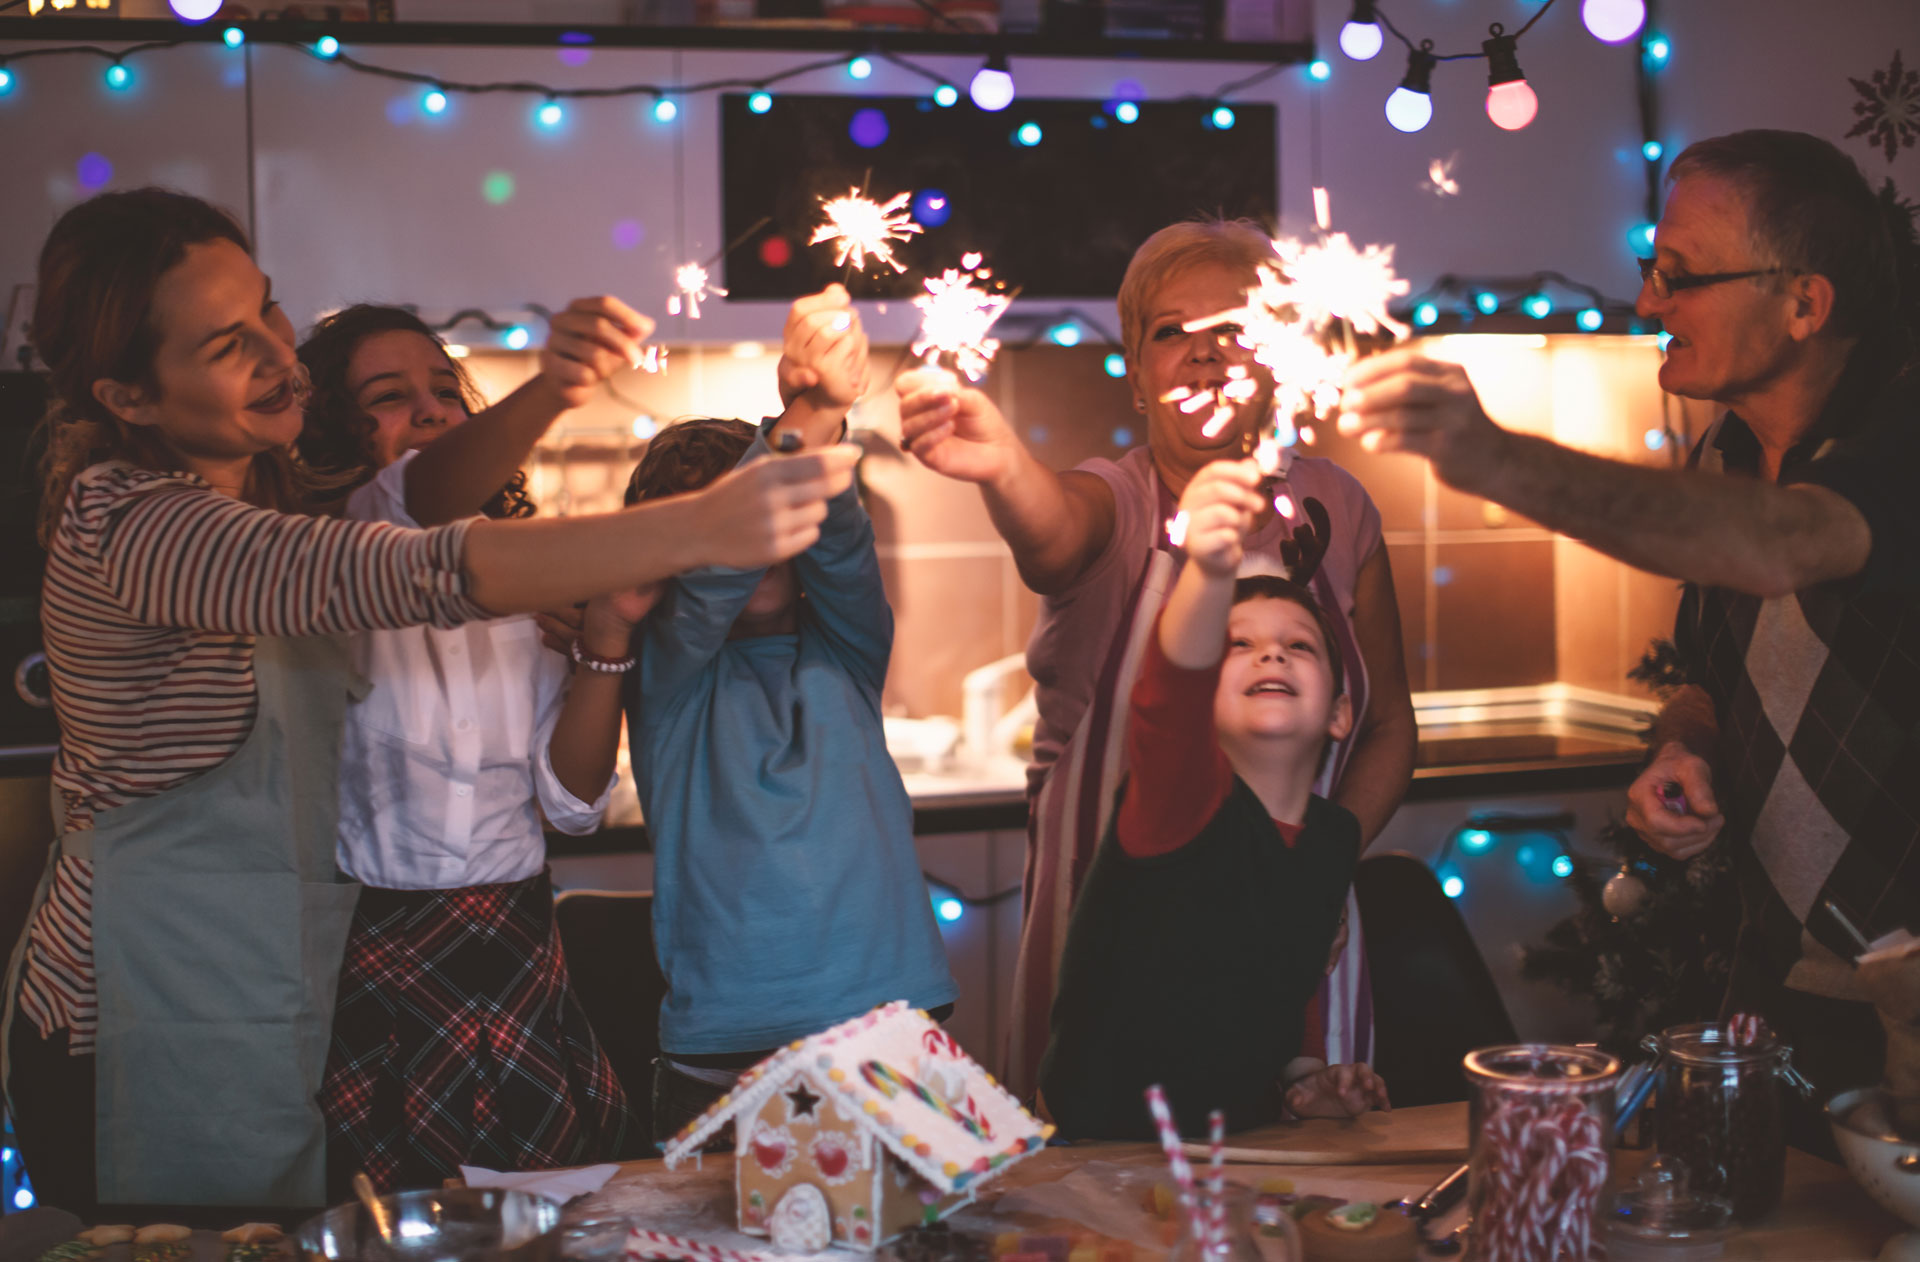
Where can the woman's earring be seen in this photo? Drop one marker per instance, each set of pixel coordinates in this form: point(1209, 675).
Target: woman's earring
point(1139, 404)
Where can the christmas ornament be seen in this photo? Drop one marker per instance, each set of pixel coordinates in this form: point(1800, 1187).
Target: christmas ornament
point(1625, 894)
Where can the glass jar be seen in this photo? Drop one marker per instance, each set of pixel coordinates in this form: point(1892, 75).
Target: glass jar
point(1248, 1236)
point(1720, 1112)
point(1540, 1139)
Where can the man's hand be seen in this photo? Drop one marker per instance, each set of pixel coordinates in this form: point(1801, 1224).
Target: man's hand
point(1337, 1091)
point(823, 349)
point(1221, 504)
point(1678, 834)
point(590, 341)
point(1402, 401)
point(954, 429)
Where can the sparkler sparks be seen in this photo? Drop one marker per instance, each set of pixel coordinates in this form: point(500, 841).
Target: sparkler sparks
point(690, 285)
point(1332, 281)
point(859, 227)
point(955, 316)
point(1440, 181)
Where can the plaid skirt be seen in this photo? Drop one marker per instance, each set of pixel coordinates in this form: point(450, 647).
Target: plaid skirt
point(457, 1039)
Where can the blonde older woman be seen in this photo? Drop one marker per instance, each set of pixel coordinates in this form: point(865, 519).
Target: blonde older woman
point(1092, 542)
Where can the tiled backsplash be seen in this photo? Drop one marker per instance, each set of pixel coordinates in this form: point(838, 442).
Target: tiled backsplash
point(1487, 599)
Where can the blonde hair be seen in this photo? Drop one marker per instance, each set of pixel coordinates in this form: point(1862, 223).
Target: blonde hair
point(1236, 243)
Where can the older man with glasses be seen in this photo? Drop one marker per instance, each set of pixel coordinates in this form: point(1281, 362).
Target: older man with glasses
point(1796, 527)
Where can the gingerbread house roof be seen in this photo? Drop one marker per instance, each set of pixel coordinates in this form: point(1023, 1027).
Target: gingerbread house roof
point(899, 1077)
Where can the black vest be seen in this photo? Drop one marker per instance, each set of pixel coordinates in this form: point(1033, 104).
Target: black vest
point(1194, 970)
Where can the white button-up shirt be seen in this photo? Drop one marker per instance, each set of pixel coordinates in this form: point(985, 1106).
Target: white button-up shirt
point(444, 767)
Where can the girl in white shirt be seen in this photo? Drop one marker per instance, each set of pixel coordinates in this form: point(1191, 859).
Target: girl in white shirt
point(457, 1038)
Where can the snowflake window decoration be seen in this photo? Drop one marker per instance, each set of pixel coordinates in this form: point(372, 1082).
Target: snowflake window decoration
point(1888, 111)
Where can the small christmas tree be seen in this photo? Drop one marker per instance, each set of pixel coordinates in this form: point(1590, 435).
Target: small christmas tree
point(1652, 941)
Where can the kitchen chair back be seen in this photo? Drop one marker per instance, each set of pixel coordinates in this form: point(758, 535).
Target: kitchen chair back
point(608, 938)
point(1433, 998)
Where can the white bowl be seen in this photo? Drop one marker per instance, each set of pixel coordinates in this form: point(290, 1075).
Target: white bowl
point(1887, 1166)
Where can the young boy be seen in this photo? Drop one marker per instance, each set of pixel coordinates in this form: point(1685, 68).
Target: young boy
point(1206, 919)
point(787, 892)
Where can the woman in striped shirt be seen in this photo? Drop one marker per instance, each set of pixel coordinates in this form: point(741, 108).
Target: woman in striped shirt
point(178, 970)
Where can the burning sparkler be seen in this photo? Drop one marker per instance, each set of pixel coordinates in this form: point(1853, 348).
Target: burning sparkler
point(860, 227)
point(1440, 181)
point(955, 318)
point(690, 284)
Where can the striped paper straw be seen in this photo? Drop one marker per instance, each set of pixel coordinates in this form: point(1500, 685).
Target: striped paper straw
point(642, 1243)
point(1217, 1183)
point(1744, 1029)
point(1176, 1159)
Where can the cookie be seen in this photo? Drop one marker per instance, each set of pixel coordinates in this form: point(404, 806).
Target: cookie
point(117, 1234)
point(1359, 1232)
point(254, 1233)
point(162, 1233)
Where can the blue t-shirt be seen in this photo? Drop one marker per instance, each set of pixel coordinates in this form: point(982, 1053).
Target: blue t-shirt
point(787, 891)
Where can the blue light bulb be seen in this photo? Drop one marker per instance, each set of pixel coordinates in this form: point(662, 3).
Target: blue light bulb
point(1115, 364)
point(233, 37)
point(946, 95)
point(1652, 150)
point(1658, 50)
point(665, 111)
point(1066, 333)
point(6, 79)
point(119, 78)
point(1028, 134)
point(1655, 439)
point(434, 101)
point(760, 102)
point(1640, 238)
point(23, 1199)
point(1127, 112)
point(1222, 118)
point(1563, 866)
point(1425, 314)
point(517, 338)
point(1408, 110)
point(1475, 840)
point(327, 46)
point(1539, 306)
point(550, 114)
point(1664, 337)
point(1487, 303)
point(1590, 320)
point(1451, 883)
point(949, 909)
point(1319, 70)
point(859, 68)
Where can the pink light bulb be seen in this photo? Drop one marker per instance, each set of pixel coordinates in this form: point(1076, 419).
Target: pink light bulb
point(1512, 105)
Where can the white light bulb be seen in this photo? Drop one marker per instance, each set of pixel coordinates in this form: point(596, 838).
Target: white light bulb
point(194, 10)
point(1613, 21)
point(1409, 110)
point(991, 90)
point(1361, 40)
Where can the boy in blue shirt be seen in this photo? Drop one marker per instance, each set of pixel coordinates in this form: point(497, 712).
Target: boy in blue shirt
point(787, 892)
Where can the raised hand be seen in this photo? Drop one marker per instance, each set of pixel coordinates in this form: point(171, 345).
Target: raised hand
point(590, 341)
point(1221, 505)
point(1338, 1091)
point(1678, 826)
point(771, 509)
point(952, 428)
point(823, 350)
point(1402, 401)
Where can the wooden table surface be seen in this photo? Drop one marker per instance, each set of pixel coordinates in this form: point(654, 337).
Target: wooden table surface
point(1825, 1216)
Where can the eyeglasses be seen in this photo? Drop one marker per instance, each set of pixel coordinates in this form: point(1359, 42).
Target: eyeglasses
point(1666, 285)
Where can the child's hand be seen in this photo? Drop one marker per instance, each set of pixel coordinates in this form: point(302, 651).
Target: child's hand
point(823, 349)
point(1221, 504)
point(954, 429)
point(607, 627)
point(590, 341)
point(1337, 1091)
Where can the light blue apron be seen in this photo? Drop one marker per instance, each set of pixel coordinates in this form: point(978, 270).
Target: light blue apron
point(219, 924)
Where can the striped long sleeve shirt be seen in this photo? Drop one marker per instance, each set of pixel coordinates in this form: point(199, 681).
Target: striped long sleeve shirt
point(156, 587)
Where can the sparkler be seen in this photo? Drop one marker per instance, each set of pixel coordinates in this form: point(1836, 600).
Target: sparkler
point(859, 227)
point(955, 316)
point(1440, 181)
point(690, 284)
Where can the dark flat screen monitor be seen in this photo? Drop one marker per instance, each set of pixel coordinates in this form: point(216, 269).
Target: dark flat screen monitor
point(1058, 217)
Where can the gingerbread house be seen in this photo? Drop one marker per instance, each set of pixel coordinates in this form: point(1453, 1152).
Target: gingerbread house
point(881, 1119)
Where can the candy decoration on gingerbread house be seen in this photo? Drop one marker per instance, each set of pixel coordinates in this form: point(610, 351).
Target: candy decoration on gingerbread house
point(883, 1117)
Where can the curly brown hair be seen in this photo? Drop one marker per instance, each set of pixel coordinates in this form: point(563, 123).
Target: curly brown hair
point(687, 455)
point(338, 436)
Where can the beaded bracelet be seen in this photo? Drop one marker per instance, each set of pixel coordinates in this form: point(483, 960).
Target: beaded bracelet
point(605, 665)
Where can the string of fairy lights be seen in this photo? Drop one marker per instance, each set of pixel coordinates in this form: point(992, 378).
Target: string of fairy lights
point(1511, 104)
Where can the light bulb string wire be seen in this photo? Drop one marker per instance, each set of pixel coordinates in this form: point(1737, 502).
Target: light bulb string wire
point(1426, 46)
